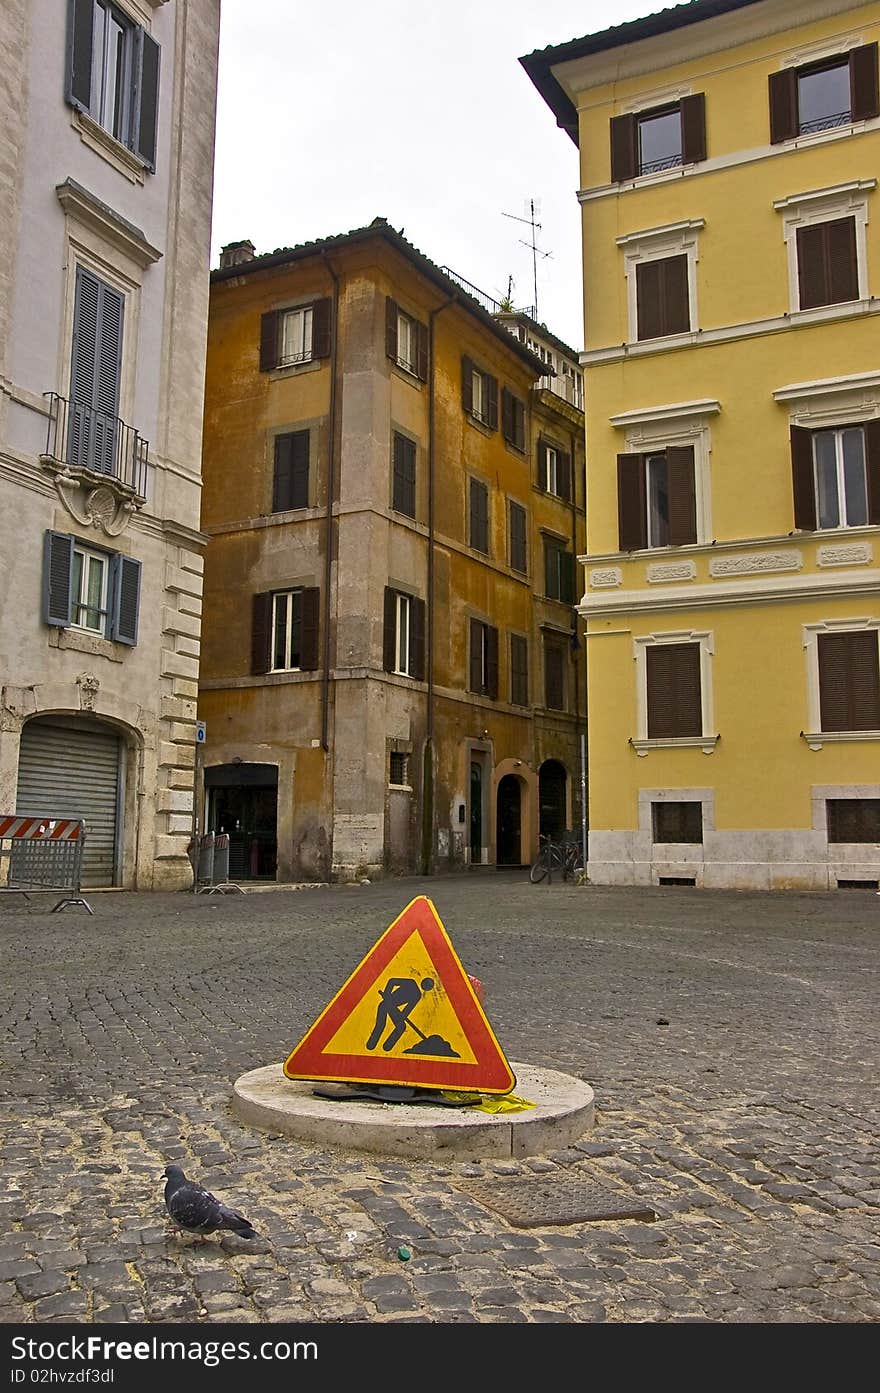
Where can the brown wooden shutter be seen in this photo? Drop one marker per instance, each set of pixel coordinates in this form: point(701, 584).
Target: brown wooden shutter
point(310, 622)
point(542, 463)
point(563, 474)
point(872, 469)
point(624, 153)
point(422, 350)
point(673, 690)
point(649, 323)
point(520, 415)
point(417, 637)
point(389, 630)
point(812, 288)
point(467, 384)
point(554, 676)
point(802, 482)
point(391, 327)
point(682, 495)
point(269, 341)
point(261, 632)
point(518, 556)
point(783, 105)
point(475, 683)
point(281, 484)
point(693, 128)
point(864, 88)
point(491, 662)
point(842, 265)
point(491, 401)
point(849, 681)
point(566, 577)
point(674, 308)
point(507, 426)
point(632, 518)
point(321, 329)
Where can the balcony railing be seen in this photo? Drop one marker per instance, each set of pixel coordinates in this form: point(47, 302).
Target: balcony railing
point(84, 439)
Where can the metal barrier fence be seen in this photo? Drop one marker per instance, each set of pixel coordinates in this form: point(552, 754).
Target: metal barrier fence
point(42, 854)
point(210, 858)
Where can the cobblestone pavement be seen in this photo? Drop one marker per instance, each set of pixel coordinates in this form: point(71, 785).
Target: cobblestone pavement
point(731, 1040)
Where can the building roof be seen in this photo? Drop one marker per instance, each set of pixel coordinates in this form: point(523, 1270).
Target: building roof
point(539, 64)
point(380, 227)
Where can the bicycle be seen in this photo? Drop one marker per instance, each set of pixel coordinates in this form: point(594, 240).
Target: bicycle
point(565, 856)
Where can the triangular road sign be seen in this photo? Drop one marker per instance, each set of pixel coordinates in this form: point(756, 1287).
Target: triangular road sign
point(407, 1015)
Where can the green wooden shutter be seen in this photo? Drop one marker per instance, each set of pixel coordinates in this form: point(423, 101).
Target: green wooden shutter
point(467, 384)
point(802, 479)
point(321, 329)
point(624, 150)
point(566, 577)
point(783, 105)
point(479, 530)
point(507, 414)
point(125, 590)
point(491, 390)
point(417, 637)
point(491, 662)
point(96, 359)
point(389, 629)
point(563, 474)
point(518, 552)
point(57, 578)
point(519, 670)
point(390, 328)
point(80, 42)
point(475, 683)
point(682, 495)
point(147, 106)
point(309, 656)
point(299, 469)
point(282, 483)
point(632, 518)
point(261, 632)
point(269, 341)
point(422, 350)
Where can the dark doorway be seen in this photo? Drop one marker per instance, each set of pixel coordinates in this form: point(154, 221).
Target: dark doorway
point(476, 813)
point(509, 846)
point(243, 801)
point(551, 798)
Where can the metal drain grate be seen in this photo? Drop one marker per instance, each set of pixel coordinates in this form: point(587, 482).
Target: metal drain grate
point(547, 1201)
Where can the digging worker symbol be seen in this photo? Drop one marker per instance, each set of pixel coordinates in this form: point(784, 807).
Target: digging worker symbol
point(399, 996)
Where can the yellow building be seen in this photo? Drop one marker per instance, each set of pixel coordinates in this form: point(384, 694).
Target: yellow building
point(731, 231)
point(393, 493)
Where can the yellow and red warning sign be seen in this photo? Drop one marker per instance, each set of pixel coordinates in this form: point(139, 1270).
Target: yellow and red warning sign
point(409, 1015)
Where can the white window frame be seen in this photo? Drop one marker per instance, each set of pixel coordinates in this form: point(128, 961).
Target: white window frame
point(551, 470)
point(78, 603)
point(288, 627)
point(407, 343)
point(303, 335)
point(840, 480)
point(402, 647)
point(478, 393)
point(814, 735)
point(658, 244)
point(653, 429)
point(706, 741)
point(819, 206)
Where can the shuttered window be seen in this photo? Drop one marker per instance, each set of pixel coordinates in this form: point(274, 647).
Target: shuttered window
point(403, 639)
point(289, 337)
point(673, 690)
point(483, 659)
point(406, 340)
point(113, 74)
point(662, 306)
point(828, 272)
point(518, 545)
point(519, 670)
point(290, 486)
point(853, 819)
point(479, 394)
point(86, 588)
point(554, 469)
point(96, 356)
point(664, 137)
point(820, 96)
point(656, 499)
point(284, 631)
point(479, 516)
point(554, 674)
point(677, 822)
point(513, 419)
point(558, 571)
point(836, 476)
point(849, 681)
point(403, 486)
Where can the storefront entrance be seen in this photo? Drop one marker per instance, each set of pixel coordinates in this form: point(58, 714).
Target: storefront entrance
point(243, 801)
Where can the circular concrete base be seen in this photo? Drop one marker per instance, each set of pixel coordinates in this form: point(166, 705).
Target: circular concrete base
point(563, 1111)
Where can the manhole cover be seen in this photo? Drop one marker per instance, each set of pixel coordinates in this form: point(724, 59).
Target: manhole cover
point(544, 1201)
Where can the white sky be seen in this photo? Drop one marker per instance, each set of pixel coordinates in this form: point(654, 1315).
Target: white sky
point(332, 114)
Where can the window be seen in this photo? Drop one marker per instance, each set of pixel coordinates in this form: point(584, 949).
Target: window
point(819, 96)
point(662, 297)
point(555, 653)
point(663, 137)
point(828, 271)
point(113, 74)
point(849, 680)
point(853, 819)
point(677, 822)
point(84, 588)
point(403, 644)
point(406, 340)
point(656, 498)
point(300, 334)
point(558, 571)
point(479, 394)
point(403, 484)
point(513, 419)
point(284, 633)
point(483, 673)
point(554, 469)
point(93, 427)
point(673, 694)
point(479, 516)
point(398, 772)
point(518, 545)
point(290, 487)
point(836, 475)
point(519, 670)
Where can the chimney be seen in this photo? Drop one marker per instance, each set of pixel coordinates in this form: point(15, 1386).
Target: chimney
point(234, 253)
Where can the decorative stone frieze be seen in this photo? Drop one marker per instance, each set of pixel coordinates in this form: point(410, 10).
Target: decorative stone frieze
point(756, 563)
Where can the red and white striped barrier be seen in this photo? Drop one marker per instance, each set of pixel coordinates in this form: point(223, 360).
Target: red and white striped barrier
point(56, 829)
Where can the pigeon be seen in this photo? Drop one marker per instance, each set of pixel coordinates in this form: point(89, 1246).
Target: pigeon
point(194, 1209)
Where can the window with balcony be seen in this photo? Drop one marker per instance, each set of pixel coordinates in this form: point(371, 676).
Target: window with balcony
point(113, 74)
point(836, 475)
point(834, 91)
point(661, 137)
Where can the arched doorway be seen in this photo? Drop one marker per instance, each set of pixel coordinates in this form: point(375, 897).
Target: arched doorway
point(552, 780)
point(508, 834)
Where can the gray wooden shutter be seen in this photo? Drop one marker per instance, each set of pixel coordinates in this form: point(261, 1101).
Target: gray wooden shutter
point(632, 518)
point(693, 128)
point(389, 629)
point(147, 106)
point(673, 690)
point(519, 670)
point(518, 559)
point(299, 469)
point(682, 495)
point(417, 637)
point(566, 577)
point(80, 41)
point(125, 589)
point(491, 662)
point(563, 474)
point(467, 384)
point(390, 328)
point(802, 481)
point(475, 683)
point(422, 350)
point(872, 469)
point(479, 532)
point(864, 88)
point(96, 359)
point(57, 578)
point(269, 341)
point(261, 632)
point(783, 105)
point(309, 657)
point(624, 150)
point(321, 328)
point(849, 681)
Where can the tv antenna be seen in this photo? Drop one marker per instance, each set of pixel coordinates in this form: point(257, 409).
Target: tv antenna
point(535, 249)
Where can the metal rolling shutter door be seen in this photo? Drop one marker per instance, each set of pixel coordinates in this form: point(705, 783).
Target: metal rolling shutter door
point(72, 770)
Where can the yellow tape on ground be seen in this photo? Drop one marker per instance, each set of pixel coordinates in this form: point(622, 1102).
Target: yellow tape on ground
point(487, 1102)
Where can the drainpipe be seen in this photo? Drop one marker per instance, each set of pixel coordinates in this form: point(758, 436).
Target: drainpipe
point(577, 701)
point(328, 511)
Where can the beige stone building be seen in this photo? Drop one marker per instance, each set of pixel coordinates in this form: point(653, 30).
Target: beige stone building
point(107, 137)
